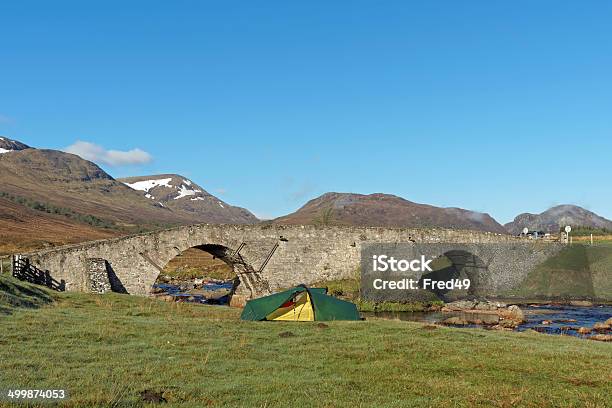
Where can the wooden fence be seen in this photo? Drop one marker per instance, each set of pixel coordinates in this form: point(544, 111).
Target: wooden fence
point(23, 270)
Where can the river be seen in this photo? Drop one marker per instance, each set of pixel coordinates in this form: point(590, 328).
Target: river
point(558, 319)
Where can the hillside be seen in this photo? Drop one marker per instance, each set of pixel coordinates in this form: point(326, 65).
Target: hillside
point(557, 217)
point(16, 295)
point(384, 210)
point(183, 196)
point(22, 229)
point(49, 197)
point(8, 145)
point(65, 180)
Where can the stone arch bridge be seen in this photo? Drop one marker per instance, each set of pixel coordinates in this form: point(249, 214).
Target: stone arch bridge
point(264, 257)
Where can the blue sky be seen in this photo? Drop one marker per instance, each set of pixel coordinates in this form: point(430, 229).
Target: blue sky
point(496, 106)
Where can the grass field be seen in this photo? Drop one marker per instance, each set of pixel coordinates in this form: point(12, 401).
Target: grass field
point(106, 350)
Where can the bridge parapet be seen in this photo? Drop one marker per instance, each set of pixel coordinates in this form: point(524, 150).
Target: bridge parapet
point(303, 254)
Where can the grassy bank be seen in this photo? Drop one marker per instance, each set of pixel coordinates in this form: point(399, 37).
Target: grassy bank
point(106, 350)
point(348, 289)
point(15, 295)
point(578, 271)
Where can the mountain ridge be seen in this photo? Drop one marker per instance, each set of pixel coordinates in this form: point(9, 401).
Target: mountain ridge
point(10, 145)
point(557, 217)
point(386, 210)
point(179, 193)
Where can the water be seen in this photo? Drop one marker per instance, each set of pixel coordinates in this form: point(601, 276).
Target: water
point(561, 318)
point(207, 297)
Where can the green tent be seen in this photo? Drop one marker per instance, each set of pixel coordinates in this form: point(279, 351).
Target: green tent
point(300, 304)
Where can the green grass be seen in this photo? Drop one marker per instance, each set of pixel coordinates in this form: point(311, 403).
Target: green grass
point(366, 306)
point(6, 265)
point(587, 231)
point(15, 294)
point(105, 350)
point(343, 288)
point(348, 289)
point(578, 271)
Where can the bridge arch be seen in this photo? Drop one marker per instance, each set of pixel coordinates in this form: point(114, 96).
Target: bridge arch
point(459, 264)
point(201, 262)
point(247, 281)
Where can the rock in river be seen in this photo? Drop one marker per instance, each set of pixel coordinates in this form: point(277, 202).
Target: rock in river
point(601, 337)
point(601, 327)
point(211, 294)
point(455, 321)
point(460, 305)
point(514, 313)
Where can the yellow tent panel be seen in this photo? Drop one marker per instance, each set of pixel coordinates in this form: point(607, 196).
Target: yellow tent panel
point(299, 311)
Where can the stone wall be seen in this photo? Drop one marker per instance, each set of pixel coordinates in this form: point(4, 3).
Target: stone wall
point(305, 254)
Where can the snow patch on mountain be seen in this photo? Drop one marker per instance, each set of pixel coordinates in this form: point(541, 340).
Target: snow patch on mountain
point(8, 145)
point(147, 185)
point(184, 196)
point(186, 191)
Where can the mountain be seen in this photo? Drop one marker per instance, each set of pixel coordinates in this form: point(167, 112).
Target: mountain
point(8, 145)
point(557, 217)
point(52, 197)
point(385, 210)
point(182, 195)
point(64, 180)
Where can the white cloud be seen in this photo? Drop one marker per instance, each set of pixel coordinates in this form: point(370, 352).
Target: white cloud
point(98, 154)
point(263, 216)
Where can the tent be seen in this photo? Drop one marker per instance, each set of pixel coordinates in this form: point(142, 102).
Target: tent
point(300, 304)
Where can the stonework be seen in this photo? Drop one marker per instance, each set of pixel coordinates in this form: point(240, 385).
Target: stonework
point(98, 276)
point(300, 254)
